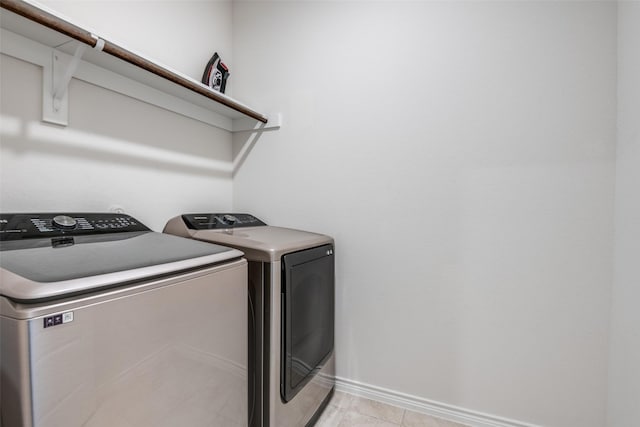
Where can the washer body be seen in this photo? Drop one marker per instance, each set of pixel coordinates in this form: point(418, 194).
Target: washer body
point(292, 293)
point(104, 322)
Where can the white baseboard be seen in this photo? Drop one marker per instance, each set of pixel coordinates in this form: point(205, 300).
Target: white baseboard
point(425, 406)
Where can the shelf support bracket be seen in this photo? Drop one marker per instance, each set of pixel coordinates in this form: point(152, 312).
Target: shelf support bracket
point(55, 100)
point(62, 74)
point(55, 96)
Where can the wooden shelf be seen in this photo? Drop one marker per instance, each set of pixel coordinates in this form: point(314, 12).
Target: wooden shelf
point(59, 35)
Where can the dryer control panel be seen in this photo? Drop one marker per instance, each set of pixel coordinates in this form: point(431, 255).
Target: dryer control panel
point(213, 221)
point(44, 225)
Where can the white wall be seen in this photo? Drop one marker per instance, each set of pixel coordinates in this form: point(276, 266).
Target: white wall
point(182, 34)
point(462, 155)
point(117, 151)
point(624, 374)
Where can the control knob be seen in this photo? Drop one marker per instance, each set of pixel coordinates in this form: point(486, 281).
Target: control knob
point(229, 219)
point(64, 222)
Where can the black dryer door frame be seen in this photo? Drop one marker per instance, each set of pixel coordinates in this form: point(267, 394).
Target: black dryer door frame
point(308, 316)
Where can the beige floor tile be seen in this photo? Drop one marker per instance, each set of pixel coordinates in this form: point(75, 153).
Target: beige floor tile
point(378, 410)
point(415, 419)
point(331, 417)
point(353, 418)
point(341, 400)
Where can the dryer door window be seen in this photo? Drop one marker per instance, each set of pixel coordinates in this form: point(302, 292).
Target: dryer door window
point(308, 292)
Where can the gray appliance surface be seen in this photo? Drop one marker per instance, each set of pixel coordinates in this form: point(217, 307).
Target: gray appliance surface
point(264, 247)
point(166, 346)
point(32, 268)
point(259, 243)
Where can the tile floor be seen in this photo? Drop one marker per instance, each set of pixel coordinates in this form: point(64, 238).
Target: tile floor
point(345, 410)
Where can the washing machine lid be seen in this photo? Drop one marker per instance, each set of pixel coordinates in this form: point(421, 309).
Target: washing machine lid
point(36, 268)
point(258, 241)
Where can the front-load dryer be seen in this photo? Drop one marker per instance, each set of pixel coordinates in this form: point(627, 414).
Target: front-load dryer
point(292, 292)
point(105, 323)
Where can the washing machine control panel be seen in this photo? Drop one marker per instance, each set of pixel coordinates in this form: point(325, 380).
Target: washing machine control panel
point(213, 221)
point(43, 225)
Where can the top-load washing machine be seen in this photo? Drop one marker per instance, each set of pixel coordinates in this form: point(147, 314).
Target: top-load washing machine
point(106, 323)
point(292, 292)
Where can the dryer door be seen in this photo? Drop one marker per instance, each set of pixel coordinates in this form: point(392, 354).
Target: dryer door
point(308, 311)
